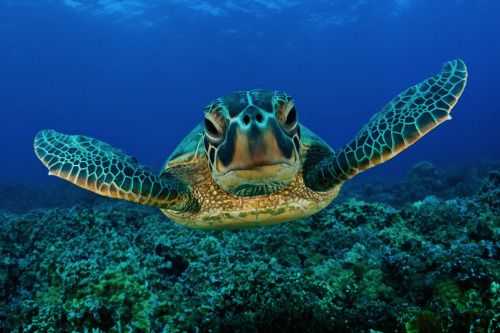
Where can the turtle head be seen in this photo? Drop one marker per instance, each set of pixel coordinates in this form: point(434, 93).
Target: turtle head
point(252, 141)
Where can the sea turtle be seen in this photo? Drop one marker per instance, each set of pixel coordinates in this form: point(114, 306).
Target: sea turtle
point(250, 163)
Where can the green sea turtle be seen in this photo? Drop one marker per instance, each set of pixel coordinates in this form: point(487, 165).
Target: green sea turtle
point(250, 163)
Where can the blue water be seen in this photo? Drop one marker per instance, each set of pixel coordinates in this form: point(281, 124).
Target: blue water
point(137, 74)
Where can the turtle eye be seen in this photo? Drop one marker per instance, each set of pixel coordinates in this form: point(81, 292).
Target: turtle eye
point(214, 130)
point(210, 128)
point(291, 117)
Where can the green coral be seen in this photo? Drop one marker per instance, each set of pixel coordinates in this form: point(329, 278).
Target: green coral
point(119, 302)
point(424, 322)
point(355, 267)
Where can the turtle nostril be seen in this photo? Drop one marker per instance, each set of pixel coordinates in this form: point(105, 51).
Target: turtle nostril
point(246, 119)
point(259, 118)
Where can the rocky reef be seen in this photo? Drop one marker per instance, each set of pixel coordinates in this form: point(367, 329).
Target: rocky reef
point(419, 255)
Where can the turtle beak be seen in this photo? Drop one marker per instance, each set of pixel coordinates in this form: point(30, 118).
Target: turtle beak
point(263, 161)
point(261, 153)
point(256, 147)
point(259, 141)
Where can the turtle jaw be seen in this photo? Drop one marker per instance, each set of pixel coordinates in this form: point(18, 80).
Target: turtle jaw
point(259, 173)
point(258, 180)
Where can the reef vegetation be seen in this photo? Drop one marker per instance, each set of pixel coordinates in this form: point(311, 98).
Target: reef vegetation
point(416, 255)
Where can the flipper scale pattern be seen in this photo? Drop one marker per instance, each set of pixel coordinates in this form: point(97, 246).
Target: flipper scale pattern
point(100, 168)
point(401, 123)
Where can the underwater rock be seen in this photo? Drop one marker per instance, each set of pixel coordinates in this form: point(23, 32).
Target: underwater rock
point(424, 179)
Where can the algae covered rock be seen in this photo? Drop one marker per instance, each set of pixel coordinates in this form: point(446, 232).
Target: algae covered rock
point(431, 265)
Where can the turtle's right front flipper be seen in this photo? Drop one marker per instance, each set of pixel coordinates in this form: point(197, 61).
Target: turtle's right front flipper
point(100, 168)
point(401, 123)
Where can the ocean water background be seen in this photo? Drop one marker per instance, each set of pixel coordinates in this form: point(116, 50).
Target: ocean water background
point(137, 74)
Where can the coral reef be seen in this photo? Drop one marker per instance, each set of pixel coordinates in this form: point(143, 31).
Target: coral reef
point(423, 180)
point(430, 265)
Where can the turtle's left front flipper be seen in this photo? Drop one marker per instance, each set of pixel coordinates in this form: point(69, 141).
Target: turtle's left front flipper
point(100, 168)
point(400, 123)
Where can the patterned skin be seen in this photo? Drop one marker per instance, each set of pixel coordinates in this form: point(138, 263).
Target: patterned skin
point(100, 168)
point(401, 123)
point(251, 164)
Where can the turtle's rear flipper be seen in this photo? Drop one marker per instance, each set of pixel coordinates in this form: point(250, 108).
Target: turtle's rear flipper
point(400, 123)
point(100, 168)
